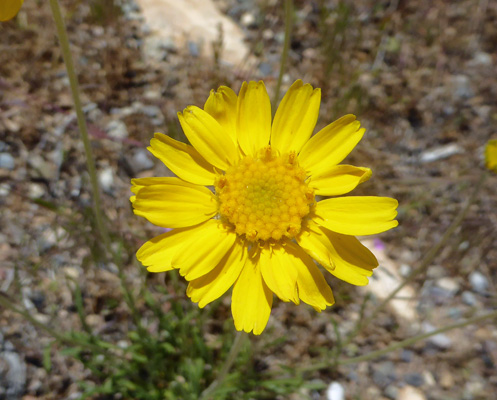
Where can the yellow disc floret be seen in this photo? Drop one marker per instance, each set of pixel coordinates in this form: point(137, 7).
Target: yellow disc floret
point(265, 197)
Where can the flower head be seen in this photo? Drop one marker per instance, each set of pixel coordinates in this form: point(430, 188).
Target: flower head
point(9, 9)
point(260, 227)
point(491, 155)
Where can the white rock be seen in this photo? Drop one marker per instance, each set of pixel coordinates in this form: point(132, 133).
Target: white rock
point(469, 298)
point(448, 284)
point(13, 377)
point(196, 21)
point(410, 393)
point(7, 161)
point(481, 59)
point(404, 270)
point(35, 190)
point(478, 281)
point(138, 161)
point(106, 179)
point(71, 272)
point(440, 340)
point(335, 391)
point(440, 153)
point(117, 129)
point(247, 19)
point(141, 161)
point(4, 189)
point(461, 86)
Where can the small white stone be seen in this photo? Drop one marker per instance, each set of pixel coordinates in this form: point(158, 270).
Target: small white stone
point(404, 270)
point(481, 59)
point(106, 179)
point(440, 153)
point(335, 392)
point(478, 282)
point(247, 19)
point(4, 189)
point(7, 161)
point(36, 190)
point(410, 393)
point(117, 129)
point(448, 284)
point(71, 272)
point(440, 340)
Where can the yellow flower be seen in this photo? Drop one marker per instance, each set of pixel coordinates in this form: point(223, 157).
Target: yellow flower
point(9, 9)
point(262, 227)
point(491, 155)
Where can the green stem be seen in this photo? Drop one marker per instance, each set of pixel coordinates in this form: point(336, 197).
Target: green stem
point(228, 363)
point(402, 344)
point(284, 53)
point(90, 162)
point(73, 82)
point(426, 262)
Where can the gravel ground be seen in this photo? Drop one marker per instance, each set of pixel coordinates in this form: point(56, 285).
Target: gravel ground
point(419, 75)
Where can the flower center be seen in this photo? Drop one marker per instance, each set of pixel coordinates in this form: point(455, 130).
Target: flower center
point(265, 197)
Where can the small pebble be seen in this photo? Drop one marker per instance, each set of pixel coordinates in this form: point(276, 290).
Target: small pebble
point(440, 340)
point(440, 153)
point(138, 162)
point(106, 179)
point(7, 161)
point(13, 378)
point(391, 392)
point(248, 20)
point(410, 393)
point(384, 374)
point(265, 68)
point(449, 285)
point(36, 190)
point(429, 378)
point(481, 59)
point(117, 129)
point(404, 270)
point(193, 49)
point(462, 87)
point(335, 392)
point(478, 282)
point(414, 379)
point(406, 355)
point(469, 298)
point(4, 189)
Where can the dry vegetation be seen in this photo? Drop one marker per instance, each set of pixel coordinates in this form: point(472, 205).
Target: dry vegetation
point(420, 76)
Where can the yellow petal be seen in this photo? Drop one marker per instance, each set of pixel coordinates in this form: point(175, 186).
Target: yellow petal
point(9, 9)
point(339, 179)
point(295, 118)
point(491, 155)
point(183, 247)
point(208, 137)
point(183, 160)
point(157, 254)
point(221, 105)
point(279, 269)
point(330, 145)
point(360, 215)
point(172, 203)
point(312, 286)
point(342, 255)
point(214, 284)
point(251, 300)
point(254, 117)
point(212, 245)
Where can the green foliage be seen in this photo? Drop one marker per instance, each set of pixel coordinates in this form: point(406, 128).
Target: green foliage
point(171, 363)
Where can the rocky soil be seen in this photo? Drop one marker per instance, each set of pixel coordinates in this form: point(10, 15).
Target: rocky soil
point(420, 76)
